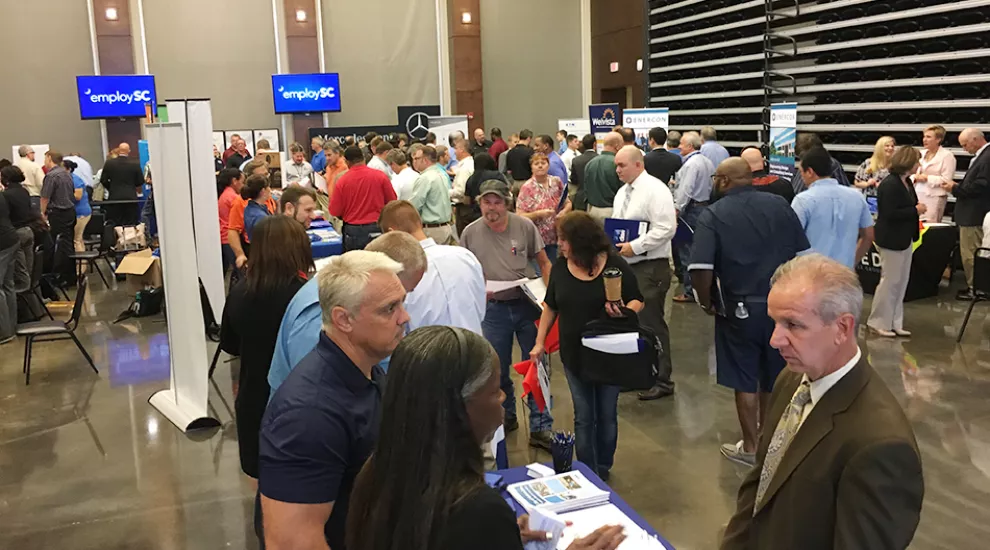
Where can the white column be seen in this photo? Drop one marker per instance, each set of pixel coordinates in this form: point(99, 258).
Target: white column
point(96, 66)
point(443, 57)
point(586, 52)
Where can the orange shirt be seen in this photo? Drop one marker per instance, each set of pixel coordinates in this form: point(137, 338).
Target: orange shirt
point(236, 219)
point(333, 172)
point(224, 206)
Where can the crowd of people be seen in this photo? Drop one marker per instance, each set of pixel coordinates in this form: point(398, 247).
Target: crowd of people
point(385, 375)
point(379, 381)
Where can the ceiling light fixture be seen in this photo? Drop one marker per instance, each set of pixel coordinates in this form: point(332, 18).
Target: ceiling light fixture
point(111, 14)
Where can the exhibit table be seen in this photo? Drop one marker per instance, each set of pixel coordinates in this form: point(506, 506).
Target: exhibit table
point(325, 241)
point(932, 252)
point(518, 474)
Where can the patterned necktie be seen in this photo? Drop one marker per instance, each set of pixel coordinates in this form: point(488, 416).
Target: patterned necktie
point(782, 437)
point(625, 203)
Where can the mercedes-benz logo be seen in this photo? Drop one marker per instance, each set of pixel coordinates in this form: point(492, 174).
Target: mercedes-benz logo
point(416, 125)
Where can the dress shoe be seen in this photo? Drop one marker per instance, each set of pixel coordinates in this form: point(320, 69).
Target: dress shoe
point(656, 392)
point(902, 333)
point(683, 299)
point(540, 440)
point(881, 332)
point(965, 295)
point(735, 453)
point(511, 425)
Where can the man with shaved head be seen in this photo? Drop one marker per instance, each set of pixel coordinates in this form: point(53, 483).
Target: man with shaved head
point(741, 240)
point(645, 198)
point(972, 202)
point(600, 180)
point(761, 179)
point(122, 178)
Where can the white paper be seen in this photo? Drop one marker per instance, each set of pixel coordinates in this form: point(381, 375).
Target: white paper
point(584, 522)
point(500, 286)
point(549, 522)
point(543, 375)
point(536, 290)
point(615, 344)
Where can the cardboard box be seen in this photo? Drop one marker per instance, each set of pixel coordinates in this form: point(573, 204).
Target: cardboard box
point(142, 270)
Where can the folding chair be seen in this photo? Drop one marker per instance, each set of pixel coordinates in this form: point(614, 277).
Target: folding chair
point(981, 285)
point(47, 331)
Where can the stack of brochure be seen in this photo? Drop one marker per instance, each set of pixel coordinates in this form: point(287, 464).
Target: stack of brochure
point(560, 493)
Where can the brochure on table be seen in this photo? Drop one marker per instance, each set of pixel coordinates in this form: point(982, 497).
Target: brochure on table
point(642, 121)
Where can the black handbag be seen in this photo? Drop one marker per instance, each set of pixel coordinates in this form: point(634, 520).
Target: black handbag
point(633, 371)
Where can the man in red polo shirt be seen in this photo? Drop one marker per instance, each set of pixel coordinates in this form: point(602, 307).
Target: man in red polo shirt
point(358, 199)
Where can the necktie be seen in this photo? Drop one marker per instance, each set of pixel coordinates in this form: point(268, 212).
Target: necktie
point(625, 203)
point(787, 427)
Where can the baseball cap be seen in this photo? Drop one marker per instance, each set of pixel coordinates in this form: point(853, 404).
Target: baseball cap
point(497, 187)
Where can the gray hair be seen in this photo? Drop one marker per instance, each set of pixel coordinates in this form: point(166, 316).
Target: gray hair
point(343, 281)
point(454, 136)
point(673, 139)
point(332, 146)
point(974, 133)
point(319, 140)
point(693, 139)
point(403, 248)
point(837, 286)
point(24, 150)
point(708, 133)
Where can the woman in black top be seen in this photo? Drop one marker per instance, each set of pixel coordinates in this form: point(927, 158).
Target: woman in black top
point(25, 220)
point(424, 485)
point(281, 261)
point(577, 294)
point(8, 296)
point(896, 228)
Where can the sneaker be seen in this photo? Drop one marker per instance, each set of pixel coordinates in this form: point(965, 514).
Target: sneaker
point(902, 333)
point(735, 453)
point(540, 440)
point(684, 299)
point(965, 295)
point(881, 332)
point(511, 425)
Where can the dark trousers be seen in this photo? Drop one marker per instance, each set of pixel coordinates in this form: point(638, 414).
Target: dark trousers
point(596, 422)
point(356, 237)
point(653, 277)
point(227, 257)
point(24, 260)
point(63, 227)
point(122, 214)
point(688, 216)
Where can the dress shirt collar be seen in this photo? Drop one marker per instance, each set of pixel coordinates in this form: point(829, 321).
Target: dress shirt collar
point(822, 385)
point(978, 153)
point(691, 154)
point(825, 181)
point(427, 243)
point(644, 175)
point(740, 189)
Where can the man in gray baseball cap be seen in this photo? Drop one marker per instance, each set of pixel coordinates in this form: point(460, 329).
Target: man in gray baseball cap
point(507, 245)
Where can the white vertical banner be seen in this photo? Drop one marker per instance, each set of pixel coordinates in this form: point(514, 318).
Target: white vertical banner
point(199, 133)
point(185, 402)
point(580, 127)
point(442, 126)
point(641, 121)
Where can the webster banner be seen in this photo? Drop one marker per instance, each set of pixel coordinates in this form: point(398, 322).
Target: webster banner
point(783, 135)
point(603, 117)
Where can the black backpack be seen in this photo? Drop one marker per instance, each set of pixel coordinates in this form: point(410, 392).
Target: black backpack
point(634, 371)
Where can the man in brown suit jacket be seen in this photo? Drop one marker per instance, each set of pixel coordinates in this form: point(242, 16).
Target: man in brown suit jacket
point(838, 461)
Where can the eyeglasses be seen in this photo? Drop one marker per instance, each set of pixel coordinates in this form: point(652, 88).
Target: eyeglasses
point(717, 176)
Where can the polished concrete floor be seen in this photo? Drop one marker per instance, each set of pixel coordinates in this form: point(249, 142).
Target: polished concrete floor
point(86, 463)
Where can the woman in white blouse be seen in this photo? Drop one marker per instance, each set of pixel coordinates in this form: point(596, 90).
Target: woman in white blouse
point(937, 165)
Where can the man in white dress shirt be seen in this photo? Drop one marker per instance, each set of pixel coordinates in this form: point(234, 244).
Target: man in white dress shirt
point(298, 172)
point(452, 291)
point(463, 170)
point(378, 162)
point(645, 198)
point(573, 142)
point(404, 177)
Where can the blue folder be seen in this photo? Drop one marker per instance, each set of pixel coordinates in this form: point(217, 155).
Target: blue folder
point(624, 231)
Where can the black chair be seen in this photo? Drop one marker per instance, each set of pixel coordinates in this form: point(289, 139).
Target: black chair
point(89, 257)
point(35, 290)
point(47, 331)
point(981, 285)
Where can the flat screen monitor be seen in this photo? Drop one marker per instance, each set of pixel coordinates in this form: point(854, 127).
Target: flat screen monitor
point(115, 96)
point(306, 93)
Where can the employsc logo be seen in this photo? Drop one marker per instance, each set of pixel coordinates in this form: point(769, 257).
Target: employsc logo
point(327, 92)
point(140, 96)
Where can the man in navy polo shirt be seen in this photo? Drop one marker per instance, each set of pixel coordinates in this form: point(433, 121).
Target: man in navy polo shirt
point(742, 239)
point(322, 423)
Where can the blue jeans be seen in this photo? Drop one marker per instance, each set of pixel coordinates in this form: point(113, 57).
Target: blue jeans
point(596, 422)
point(688, 216)
point(503, 320)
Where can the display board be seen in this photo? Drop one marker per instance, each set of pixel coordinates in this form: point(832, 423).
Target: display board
point(219, 141)
point(783, 136)
point(642, 121)
point(579, 127)
point(414, 120)
point(246, 135)
point(930, 257)
point(115, 96)
point(602, 118)
point(306, 93)
point(443, 126)
point(270, 134)
point(39, 153)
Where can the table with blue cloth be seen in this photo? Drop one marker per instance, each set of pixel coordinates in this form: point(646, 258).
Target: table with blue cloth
point(325, 241)
point(518, 474)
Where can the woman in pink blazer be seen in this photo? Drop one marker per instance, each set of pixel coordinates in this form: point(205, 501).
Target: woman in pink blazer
point(937, 165)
